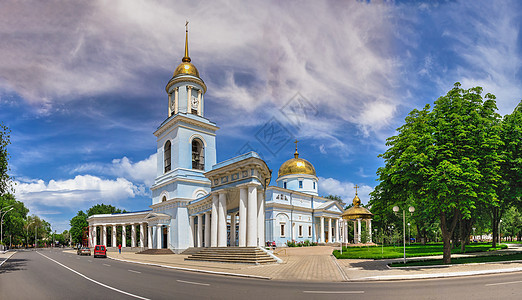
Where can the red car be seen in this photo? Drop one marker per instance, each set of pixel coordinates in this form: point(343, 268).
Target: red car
point(100, 251)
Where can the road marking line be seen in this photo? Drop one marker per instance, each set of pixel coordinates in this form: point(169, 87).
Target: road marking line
point(92, 280)
point(334, 292)
point(89, 260)
point(134, 271)
point(191, 282)
point(107, 265)
point(502, 283)
point(7, 258)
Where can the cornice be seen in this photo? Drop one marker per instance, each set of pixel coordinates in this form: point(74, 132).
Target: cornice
point(183, 119)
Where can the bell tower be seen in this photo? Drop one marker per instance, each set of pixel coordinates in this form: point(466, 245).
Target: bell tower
point(186, 140)
point(186, 89)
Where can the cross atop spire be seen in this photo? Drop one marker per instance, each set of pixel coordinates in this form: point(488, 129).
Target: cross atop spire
point(356, 187)
point(186, 58)
point(296, 154)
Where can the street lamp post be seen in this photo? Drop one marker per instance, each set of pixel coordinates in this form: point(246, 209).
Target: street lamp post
point(2, 223)
point(474, 233)
point(411, 210)
point(409, 234)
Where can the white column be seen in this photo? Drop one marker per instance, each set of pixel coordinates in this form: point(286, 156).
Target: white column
point(189, 94)
point(359, 230)
point(207, 229)
point(337, 229)
point(252, 216)
point(176, 93)
point(149, 237)
point(214, 223)
point(142, 235)
point(191, 231)
point(345, 238)
point(94, 236)
point(233, 230)
point(200, 231)
point(170, 105)
point(159, 233)
point(114, 236)
point(133, 235)
point(89, 241)
point(355, 232)
point(123, 236)
point(222, 221)
point(261, 217)
point(322, 230)
point(370, 229)
point(200, 113)
point(330, 230)
point(242, 216)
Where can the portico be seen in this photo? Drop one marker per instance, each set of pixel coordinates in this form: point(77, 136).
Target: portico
point(236, 201)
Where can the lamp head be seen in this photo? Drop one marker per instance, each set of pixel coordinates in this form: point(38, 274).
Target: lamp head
point(396, 209)
point(411, 209)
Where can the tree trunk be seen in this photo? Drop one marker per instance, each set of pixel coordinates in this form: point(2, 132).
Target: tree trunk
point(494, 227)
point(447, 233)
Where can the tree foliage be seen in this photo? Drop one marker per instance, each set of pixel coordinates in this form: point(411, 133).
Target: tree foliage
point(79, 222)
point(5, 180)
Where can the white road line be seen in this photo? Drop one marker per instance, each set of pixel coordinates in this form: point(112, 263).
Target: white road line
point(89, 260)
point(107, 265)
point(92, 280)
point(191, 282)
point(502, 283)
point(334, 292)
point(134, 271)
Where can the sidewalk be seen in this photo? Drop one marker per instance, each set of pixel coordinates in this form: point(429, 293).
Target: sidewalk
point(317, 264)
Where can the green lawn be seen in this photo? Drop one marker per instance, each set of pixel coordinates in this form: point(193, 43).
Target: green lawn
point(462, 260)
point(378, 252)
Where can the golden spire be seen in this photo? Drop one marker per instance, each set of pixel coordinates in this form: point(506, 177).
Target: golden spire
point(186, 58)
point(356, 187)
point(296, 154)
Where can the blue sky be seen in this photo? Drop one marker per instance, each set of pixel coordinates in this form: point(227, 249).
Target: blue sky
point(82, 86)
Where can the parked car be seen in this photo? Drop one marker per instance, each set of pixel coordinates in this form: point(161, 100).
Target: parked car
point(84, 251)
point(100, 251)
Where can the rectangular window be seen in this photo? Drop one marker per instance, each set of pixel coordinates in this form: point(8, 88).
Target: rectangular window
point(282, 230)
point(300, 184)
point(284, 184)
point(300, 230)
point(314, 185)
point(309, 230)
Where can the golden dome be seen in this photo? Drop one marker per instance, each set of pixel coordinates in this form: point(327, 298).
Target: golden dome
point(357, 211)
point(186, 67)
point(296, 165)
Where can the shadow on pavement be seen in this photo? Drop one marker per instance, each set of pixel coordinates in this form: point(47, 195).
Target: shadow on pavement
point(12, 265)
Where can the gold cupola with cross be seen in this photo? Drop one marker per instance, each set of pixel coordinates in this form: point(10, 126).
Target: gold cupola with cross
point(186, 89)
point(298, 174)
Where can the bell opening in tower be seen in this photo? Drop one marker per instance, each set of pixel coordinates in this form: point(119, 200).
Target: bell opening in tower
point(198, 156)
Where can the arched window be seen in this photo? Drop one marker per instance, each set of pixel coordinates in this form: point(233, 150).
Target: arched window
point(198, 155)
point(166, 156)
point(164, 199)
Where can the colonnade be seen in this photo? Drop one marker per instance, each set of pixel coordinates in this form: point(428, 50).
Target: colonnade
point(357, 230)
point(93, 239)
point(337, 227)
point(251, 215)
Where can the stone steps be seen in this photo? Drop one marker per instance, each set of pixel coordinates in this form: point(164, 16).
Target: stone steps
point(245, 255)
point(192, 250)
point(156, 251)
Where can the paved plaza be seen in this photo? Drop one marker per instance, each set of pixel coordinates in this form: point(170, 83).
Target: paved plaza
point(318, 264)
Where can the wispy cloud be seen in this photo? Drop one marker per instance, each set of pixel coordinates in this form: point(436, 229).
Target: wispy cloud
point(344, 189)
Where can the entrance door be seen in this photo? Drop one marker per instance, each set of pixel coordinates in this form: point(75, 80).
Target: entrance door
point(165, 238)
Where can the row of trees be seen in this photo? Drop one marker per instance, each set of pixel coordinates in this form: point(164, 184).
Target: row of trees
point(18, 228)
point(459, 164)
point(79, 222)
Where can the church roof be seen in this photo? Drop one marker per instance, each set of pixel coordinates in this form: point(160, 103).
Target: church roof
point(296, 165)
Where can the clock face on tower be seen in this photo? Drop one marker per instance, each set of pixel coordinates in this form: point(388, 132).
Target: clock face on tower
point(195, 103)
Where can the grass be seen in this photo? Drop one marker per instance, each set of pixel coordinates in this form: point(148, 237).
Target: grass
point(413, 250)
point(462, 260)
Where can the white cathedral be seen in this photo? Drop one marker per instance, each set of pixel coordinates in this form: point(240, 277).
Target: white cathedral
point(197, 202)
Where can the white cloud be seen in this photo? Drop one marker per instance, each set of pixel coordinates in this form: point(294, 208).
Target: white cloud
point(82, 190)
point(344, 189)
point(141, 172)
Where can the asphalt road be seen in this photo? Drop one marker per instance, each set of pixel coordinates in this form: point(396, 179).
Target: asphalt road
point(53, 274)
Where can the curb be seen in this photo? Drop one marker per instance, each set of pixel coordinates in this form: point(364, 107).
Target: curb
point(1, 263)
point(435, 276)
point(192, 270)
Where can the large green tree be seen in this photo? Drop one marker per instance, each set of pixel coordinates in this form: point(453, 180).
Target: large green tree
point(444, 162)
point(79, 222)
point(5, 180)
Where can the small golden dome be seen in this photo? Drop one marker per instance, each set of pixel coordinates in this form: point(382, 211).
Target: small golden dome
point(357, 211)
point(186, 68)
point(296, 165)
